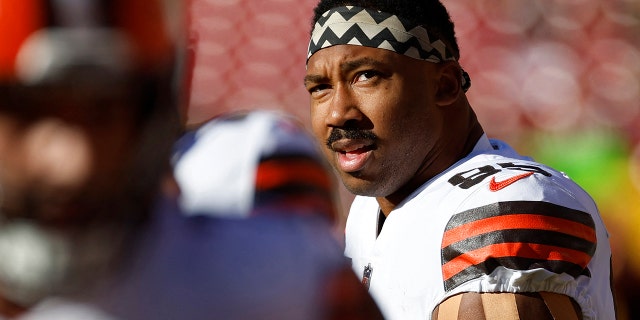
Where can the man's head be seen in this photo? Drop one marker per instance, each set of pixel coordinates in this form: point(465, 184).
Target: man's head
point(387, 93)
point(88, 115)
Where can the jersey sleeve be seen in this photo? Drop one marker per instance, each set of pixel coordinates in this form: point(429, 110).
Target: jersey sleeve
point(518, 235)
point(524, 227)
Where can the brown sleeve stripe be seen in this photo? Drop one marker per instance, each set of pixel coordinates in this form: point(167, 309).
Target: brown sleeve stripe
point(511, 250)
point(520, 207)
point(520, 235)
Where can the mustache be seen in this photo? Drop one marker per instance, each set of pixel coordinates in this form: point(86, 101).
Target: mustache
point(349, 133)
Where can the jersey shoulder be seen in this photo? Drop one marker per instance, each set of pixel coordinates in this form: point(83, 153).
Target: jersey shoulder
point(502, 176)
point(514, 213)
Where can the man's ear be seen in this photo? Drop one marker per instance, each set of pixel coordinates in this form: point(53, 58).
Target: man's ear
point(449, 83)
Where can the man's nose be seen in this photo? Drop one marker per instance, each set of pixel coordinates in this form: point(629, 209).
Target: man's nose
point(344, 107)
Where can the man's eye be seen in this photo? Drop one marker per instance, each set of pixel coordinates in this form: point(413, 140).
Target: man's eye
point(318, 88)
point(366, 75)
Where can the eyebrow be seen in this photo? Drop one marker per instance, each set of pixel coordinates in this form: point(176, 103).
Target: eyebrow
point(348, 66)
point(314, 78)
point(345, 67)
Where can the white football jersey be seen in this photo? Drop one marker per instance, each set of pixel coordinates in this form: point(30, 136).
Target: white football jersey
point(494, 221)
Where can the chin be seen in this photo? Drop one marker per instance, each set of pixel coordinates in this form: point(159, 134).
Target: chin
point(355, 184)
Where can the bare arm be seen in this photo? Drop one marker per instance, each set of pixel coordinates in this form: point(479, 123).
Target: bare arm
point(512, 306)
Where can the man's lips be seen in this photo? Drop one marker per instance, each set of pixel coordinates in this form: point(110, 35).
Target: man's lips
point(352, 155)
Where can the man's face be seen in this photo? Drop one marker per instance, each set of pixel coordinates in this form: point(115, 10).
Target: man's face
point(61, 154)
point(374, 111)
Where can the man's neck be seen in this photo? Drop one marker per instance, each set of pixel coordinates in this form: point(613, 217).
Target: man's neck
point(466, 143)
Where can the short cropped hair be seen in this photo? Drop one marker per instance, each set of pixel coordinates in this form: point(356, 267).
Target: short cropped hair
point(431, 14)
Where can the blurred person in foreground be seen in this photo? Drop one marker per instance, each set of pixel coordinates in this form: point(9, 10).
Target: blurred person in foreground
point(89, 226)
point(87, 118)
point(446, 224)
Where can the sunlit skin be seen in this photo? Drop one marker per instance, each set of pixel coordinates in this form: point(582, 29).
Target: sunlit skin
point(416, 111)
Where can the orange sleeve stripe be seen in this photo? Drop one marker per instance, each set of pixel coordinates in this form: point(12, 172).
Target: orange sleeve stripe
point(518, 221)
point(520, 250)
point(276, 173)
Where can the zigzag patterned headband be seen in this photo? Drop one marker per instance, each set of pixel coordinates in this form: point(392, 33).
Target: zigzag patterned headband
point(377, 29)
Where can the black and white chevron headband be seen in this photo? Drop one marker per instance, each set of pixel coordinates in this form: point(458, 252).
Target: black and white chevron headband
point(377, 29)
